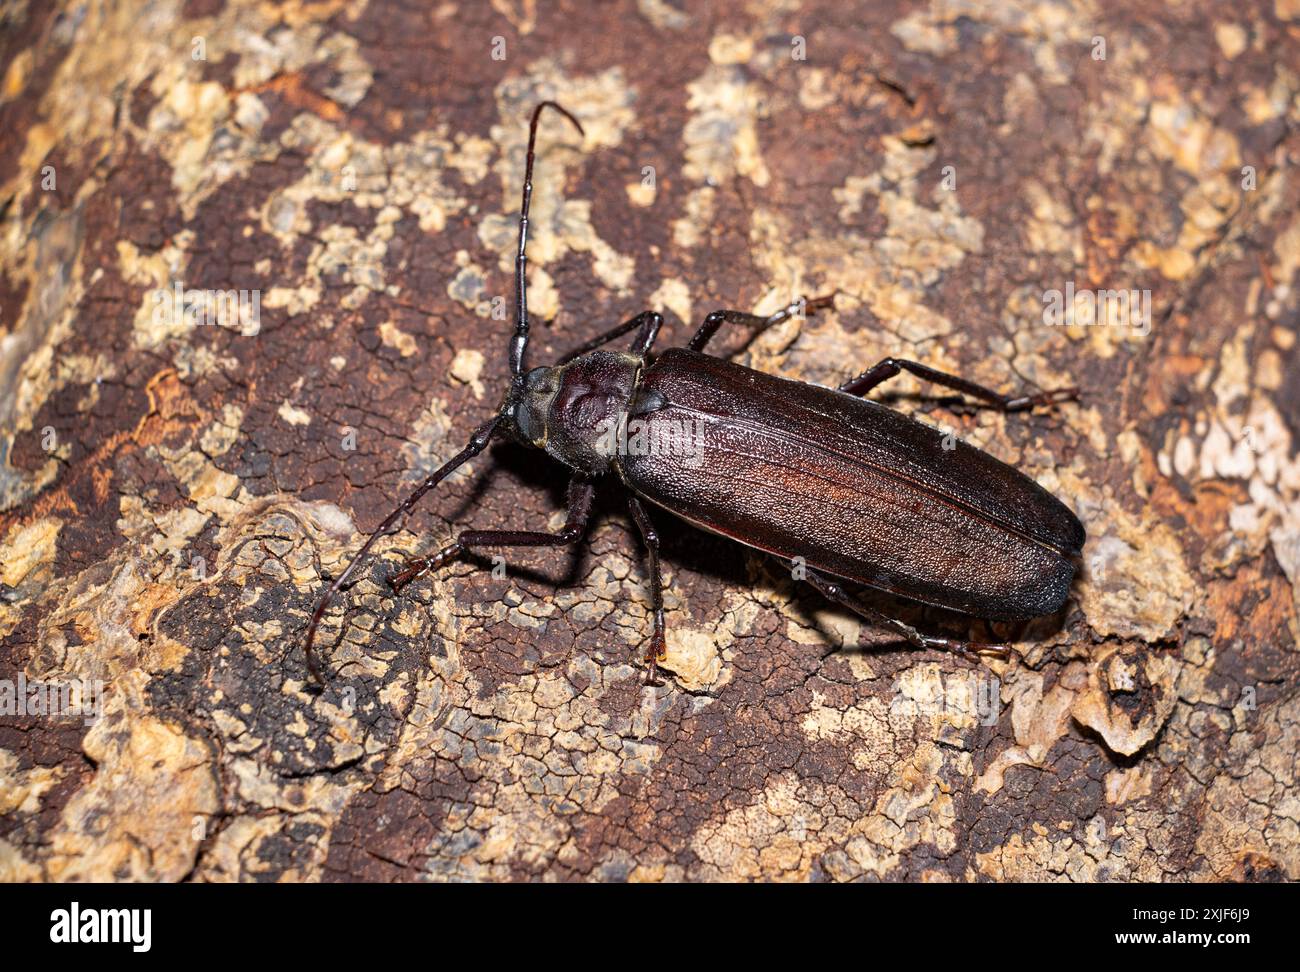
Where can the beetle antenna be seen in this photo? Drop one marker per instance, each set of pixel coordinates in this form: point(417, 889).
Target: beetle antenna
point(477, 443)
point(519, 343)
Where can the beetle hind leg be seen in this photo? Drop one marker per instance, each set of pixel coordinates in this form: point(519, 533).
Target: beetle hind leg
point(657, 650)
point(757, 323)
point(891, 367)
point(832, 591)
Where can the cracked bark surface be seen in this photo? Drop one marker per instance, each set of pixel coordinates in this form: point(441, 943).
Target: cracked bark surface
point(359, 165)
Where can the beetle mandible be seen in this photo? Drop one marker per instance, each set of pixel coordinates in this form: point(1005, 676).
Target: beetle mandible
point(845, 487)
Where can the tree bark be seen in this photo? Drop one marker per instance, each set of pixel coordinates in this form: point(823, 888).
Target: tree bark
point(173, 492)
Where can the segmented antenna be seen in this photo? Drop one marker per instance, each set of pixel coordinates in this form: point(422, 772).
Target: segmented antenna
point(519, 343)
point(483, 435)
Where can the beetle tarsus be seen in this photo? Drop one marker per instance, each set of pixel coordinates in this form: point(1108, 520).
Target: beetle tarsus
point(656, 653)
point(1028, 402)
point(413, 569)
point(972, 652)
point(821, 303)
point(419, 566)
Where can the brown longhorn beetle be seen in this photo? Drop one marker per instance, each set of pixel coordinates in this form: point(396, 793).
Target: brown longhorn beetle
point(845, 487)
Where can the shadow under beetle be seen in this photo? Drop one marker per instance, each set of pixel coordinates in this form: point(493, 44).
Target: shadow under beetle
point(845, 487)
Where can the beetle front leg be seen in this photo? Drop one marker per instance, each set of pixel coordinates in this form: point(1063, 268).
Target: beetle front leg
point(649, 323)
point(834, 592)
point(658, 649)
point(581, 491)
point(890, 367)
point(757, 322)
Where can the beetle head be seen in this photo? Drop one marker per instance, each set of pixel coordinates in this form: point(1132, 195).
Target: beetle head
point(528, 405)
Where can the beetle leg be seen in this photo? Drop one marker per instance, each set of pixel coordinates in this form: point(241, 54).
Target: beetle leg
point(580, 494)
point(757, 322)
point(834, 592)
point(658, 649)
point(891, 367)
point(649, 322)
point(645, 340)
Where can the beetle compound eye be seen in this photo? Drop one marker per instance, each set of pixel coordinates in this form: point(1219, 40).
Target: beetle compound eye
point(529, 425)
point(540, 380)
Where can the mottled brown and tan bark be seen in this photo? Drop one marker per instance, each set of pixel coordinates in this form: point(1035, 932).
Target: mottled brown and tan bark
point(170, 495)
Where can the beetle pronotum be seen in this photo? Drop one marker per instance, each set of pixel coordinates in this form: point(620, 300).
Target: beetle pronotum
point(847, 487)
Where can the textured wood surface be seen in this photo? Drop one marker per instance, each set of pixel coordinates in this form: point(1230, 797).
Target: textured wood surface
point(940, 164)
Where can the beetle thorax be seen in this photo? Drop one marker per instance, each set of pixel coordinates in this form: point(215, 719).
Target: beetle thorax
point(575, 411)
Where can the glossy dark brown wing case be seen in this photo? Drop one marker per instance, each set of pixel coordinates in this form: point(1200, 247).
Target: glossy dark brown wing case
point(854, 488)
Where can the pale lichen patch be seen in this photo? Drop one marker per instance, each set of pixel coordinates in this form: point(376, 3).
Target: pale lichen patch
point(467, 368)
point(27, 552)
point(1136, 583)
point(1097, 707)
point(136, 817)
point(394, 337)
point(292, 414)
